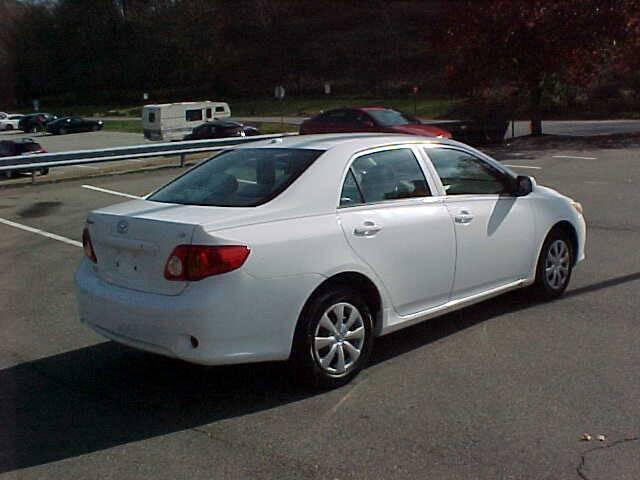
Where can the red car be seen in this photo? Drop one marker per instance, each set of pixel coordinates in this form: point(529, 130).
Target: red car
point(369, 119)
point(25, 146)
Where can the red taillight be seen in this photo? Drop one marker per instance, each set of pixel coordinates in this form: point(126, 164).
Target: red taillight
point(195, 262)
point(88, 247)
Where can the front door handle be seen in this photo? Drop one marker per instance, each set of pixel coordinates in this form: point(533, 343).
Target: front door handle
point(464, 217)
point(368, 229)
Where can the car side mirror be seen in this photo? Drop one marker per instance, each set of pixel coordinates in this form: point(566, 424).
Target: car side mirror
point(524, 186)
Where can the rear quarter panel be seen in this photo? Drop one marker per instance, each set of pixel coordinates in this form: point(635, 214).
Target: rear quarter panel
point(289, 253)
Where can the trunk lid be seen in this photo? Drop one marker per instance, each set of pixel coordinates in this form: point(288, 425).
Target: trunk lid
point(133, 241)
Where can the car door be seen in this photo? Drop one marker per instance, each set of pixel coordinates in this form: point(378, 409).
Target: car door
point(75, 124)
point(394, 225)
point(494, 229)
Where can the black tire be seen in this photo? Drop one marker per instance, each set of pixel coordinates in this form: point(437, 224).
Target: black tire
point(545, 288)
point(305, 361)
point(8, 127)
point(95, 128)
point(44, 171)
point(62, 131)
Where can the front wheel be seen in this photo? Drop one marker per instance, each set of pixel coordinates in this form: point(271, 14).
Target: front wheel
point(62, 131)
point(555, 266)
point(334, 339)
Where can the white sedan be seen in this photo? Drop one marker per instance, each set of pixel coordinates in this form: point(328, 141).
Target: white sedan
point(307, 248)
point(10, 122)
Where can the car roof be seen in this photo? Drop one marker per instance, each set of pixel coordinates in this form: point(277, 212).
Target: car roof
point(354, 141)
point(19, 141)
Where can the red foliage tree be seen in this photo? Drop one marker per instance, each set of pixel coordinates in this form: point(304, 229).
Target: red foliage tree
point(528, 45)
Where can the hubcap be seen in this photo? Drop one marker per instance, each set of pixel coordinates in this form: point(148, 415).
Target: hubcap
point(339, 338)
point(556, 267)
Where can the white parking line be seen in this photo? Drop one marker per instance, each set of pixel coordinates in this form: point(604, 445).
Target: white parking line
point(523, 166)
point(41, 232)
point(111, 192)
point(573, 156)
point(86, 166)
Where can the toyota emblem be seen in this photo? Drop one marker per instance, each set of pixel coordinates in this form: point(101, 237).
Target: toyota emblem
point(123, 226)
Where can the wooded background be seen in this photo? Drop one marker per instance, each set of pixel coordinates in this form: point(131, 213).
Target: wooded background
point(532, 55)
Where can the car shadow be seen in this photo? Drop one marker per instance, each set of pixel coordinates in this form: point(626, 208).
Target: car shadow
point(106, 395)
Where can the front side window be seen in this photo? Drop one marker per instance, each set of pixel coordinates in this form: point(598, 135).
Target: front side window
point(389, 175)
point(464, 174)
point(238, 178)
point(193, 115)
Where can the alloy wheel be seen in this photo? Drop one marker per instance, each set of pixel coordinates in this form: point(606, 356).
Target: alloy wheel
point(339, 339)
point(556, 267)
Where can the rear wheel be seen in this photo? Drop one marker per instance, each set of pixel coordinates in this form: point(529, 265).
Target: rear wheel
point(62, 131)
point(333, 340)
point(555, 266)
point(44, 171)
point(95, 128)
point(8, 127)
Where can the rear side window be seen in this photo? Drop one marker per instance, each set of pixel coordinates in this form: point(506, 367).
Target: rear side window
point(193, 115)
point(389, 175)
point(219, 109)
point(238, 178)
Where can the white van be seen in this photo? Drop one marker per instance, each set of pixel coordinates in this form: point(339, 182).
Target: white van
point(172, 121)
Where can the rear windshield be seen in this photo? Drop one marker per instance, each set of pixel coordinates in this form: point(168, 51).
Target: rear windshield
point(238, 178)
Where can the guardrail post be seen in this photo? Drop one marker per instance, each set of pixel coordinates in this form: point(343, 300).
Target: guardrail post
point(182, 158)
point(33, 177)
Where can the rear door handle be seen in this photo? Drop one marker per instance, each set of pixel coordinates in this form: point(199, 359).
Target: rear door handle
point(368, 229)
point(464, 217)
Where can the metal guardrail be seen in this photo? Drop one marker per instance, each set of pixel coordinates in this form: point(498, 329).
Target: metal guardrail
point(80, 157)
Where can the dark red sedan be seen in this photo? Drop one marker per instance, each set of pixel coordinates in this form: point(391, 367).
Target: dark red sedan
point(25, 146)
point(369, 119)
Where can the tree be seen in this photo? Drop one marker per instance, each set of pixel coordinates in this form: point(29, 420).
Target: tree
point(529, 46)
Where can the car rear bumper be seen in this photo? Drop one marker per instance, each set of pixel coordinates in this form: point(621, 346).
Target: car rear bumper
point(235, 319)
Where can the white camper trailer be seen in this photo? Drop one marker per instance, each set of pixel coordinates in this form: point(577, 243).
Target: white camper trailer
point(172, 121)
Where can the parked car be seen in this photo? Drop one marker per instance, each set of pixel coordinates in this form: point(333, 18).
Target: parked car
point(65, 125)
point(35, 122)
point(10, 122)
point(369, 119)
point(24, 146)
point(307, 248)
point(3, 115)
point(221, 129)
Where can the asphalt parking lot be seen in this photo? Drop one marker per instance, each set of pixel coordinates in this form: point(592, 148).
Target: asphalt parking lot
point(503, 389)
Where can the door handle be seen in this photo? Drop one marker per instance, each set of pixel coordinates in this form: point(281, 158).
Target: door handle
point(464, 217)
point(368, 229)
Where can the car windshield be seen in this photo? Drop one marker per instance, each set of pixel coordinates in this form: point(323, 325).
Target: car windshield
point(238, 178)
point(390, 118)
point(30, 146)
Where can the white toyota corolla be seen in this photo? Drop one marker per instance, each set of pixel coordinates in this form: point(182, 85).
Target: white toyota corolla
point(307, 248)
